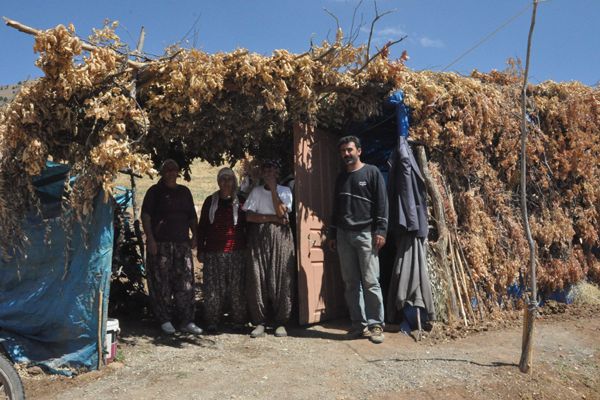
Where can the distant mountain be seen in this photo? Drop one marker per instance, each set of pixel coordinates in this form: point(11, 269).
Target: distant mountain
point(8, 92)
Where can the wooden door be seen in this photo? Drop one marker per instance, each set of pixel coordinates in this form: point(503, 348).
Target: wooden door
point(320, 286)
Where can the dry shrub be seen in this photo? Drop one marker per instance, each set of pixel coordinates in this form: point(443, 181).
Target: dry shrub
point(471, 126)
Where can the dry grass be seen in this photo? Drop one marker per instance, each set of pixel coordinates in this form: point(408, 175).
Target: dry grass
point(203, 182)
point(586, 293)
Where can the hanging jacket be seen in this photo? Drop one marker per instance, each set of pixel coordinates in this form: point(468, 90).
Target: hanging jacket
point(406, 192)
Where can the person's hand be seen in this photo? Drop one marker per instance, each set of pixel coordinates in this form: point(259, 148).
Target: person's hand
point(332, 244)
point(152, 247)
point(194, 242)
point(280, 220)
point(271, 182)
point(379, 242)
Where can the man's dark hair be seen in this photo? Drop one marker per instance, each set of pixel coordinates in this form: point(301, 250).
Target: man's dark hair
point(348, 139)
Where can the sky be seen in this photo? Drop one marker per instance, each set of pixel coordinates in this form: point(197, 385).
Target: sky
point(439, 33)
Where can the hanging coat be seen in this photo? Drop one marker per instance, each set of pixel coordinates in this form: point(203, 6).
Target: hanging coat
point(409, 283)
point(406, 192)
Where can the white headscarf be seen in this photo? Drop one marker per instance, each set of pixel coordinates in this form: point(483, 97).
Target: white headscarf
point(215, 197)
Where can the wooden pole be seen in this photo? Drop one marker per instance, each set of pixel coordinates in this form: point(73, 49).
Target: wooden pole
point(457, 286)
point(531, 310)
point(463, 282)
point(419, 327)
point(86, 46)
point(457, 264)
point(140, 43)
point(100, 326)
point(480, 304)
point(443, 234)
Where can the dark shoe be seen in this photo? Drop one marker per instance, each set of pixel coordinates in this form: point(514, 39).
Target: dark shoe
point(168, 328)
point(280, 331)
point(192, 328)
point(358, 333)
point(257, 332)
point(212, 328)
point(376, 334)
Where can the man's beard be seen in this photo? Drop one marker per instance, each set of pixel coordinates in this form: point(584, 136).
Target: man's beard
point(349, 160)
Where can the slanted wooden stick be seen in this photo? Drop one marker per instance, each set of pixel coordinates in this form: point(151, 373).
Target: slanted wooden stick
point(463, 282)
point(457, 287)
point(480, 304)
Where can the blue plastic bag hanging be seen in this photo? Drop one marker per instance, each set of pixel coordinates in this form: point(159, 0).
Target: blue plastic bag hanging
point(397, 100)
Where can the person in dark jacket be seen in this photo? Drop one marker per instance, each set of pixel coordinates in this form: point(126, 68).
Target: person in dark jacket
point(358, 231)
point(168, 217)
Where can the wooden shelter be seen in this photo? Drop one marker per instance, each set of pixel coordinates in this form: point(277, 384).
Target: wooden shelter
point(101, 111)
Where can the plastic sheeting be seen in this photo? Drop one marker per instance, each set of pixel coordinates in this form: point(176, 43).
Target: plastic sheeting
point(379, 135)
point(53, 302)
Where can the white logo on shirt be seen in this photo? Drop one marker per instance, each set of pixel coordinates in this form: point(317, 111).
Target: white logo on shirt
point(362, 183)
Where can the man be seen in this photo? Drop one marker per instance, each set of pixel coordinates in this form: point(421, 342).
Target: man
point(168, 216)
point(358, 232)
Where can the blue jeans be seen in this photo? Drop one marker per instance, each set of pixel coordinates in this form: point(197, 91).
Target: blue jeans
point(359, 265)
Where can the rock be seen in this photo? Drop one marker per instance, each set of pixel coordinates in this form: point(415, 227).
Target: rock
point(35, 370)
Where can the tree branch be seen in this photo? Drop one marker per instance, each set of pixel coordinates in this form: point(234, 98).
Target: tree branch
point(384, 48)
point(86, 46)
point(377, 18)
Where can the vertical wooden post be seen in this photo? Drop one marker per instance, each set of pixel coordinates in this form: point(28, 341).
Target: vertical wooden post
point(531, 310)
point(443, 233)
point(100, 327)
point(140, 44)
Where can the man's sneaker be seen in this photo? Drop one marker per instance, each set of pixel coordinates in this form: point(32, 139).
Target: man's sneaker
point(168, 328)
point(376, 334)
point(192, 328)
point(280, 331)
point(259, 331)
point(358, 333)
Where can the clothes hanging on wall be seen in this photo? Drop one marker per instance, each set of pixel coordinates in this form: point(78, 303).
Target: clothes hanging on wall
point(409, 283)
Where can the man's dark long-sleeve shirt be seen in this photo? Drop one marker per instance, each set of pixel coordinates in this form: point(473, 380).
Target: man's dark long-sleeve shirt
point(360, 202)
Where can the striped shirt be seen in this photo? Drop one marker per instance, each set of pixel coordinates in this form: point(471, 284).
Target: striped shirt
point(360, 202)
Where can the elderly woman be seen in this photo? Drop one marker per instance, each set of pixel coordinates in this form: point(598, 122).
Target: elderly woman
point(221, 245)
point(269, 279)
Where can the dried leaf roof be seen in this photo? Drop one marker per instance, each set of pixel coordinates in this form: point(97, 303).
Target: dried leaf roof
point(95, 111)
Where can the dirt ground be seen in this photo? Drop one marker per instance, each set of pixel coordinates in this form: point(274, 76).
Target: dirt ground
point(317, 362)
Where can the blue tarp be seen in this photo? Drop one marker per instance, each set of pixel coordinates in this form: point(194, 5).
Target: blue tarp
point(379, 135)
point(52, 310)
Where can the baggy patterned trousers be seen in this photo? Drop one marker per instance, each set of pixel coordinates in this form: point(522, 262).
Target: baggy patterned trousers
point(270, 273)
point(223, 286)
point(171, 282)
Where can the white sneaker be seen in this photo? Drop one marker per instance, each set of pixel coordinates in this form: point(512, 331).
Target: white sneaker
point(192, 328)
point(168, 328)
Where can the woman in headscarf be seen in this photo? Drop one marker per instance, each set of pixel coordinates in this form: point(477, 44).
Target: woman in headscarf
point(168, 217)
point(221, 244)
point(271, 252)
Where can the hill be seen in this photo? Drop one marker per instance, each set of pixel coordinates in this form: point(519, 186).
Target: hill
point(8, 92)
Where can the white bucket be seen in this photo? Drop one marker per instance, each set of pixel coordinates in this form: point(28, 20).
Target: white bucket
point(110, 339)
